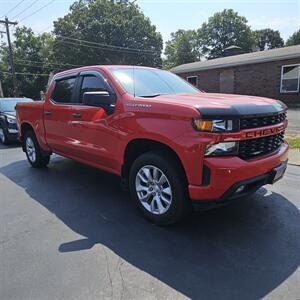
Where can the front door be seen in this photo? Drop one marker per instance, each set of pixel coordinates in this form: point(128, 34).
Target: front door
point(96, 139)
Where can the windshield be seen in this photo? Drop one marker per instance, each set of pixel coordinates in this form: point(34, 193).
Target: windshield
point(9, 105)
point(151, 82)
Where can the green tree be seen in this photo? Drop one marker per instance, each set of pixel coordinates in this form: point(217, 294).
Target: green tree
point(268, 39)
point(225, 29)
point(31, 56)
point(181, 49)
point(294, 39)
point(119, 24)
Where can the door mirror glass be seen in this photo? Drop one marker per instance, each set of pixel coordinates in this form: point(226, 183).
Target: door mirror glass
point(99, 99)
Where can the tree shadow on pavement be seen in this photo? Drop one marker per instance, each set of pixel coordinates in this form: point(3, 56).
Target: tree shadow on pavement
point(241, 251)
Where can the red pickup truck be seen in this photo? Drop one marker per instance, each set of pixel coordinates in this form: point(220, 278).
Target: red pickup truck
point(172, 145)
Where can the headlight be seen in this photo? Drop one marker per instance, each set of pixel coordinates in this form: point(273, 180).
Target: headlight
point(225, 148)
point(213, 125)
point(11, 120)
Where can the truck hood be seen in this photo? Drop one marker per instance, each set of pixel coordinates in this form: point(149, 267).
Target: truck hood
point(213, 105)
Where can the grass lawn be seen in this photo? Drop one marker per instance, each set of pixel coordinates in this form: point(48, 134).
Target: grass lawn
point(293, 140)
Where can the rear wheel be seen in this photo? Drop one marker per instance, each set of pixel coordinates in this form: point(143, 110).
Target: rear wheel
point(158, 185)
point(3, 136)
point(33, 151)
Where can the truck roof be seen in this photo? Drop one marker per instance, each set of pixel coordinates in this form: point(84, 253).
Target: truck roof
point(104, 67)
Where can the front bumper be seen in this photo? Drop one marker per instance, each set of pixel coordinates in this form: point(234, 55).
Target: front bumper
point(227, 174)
point(12, 135)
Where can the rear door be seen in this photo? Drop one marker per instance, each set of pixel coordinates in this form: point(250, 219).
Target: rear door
point(58, 115)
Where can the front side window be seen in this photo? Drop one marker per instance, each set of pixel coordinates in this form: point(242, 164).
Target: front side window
point(143, 82)
point(91, 83)
point(290, 79)
point(63, 90)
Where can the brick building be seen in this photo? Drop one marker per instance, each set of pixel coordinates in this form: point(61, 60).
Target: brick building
point(271, 73)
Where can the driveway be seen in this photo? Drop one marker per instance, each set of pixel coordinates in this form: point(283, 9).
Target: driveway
point(69, 232)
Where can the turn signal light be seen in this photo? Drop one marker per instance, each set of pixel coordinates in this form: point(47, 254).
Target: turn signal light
point(203, 125)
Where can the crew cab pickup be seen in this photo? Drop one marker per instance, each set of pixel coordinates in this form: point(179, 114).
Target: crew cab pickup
point(172, 145)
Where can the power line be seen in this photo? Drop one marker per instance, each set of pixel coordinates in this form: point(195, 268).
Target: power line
point(32, 66)
point(44, 6)
point(48, 63)
point(102, 45)
point(13, 8)
point(106, 17)
point(44, 30)
point(112, 46)
point(26, 8)
point(25, 73)
point(134, 51)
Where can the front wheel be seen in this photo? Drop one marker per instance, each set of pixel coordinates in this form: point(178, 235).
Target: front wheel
point(159, 187)
point(34, 153)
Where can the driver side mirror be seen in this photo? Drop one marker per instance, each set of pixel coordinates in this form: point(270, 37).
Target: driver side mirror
point(100, 99)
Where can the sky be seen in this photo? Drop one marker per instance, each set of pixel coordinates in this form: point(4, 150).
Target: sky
point(170, 15)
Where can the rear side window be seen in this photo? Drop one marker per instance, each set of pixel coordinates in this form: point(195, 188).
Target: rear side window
point(63, 90)
point(91, 83)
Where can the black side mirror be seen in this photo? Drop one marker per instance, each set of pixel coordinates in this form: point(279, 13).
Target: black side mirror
point(100, 99)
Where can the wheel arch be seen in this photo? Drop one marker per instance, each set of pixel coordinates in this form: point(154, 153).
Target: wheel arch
point(25, 127)
point(139, 146)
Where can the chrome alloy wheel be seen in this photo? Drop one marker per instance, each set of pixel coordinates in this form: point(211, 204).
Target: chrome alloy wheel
point(2, 137)
point(30, 149)
point(153, 189)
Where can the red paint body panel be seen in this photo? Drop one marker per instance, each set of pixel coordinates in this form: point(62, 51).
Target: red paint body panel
point(226, 171)
point(100, 140)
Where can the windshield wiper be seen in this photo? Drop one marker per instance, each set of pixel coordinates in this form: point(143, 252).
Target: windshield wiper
point(151, 96)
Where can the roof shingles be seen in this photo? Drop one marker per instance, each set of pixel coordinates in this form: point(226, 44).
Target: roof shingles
point(241, 59)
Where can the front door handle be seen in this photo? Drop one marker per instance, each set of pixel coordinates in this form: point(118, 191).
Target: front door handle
point(47, 113)
point(76, 115)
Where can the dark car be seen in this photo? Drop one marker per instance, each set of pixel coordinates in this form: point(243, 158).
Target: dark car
point(8, 124)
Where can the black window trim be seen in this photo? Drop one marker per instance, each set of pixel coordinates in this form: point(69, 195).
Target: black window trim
point(98, 74)
point(60, 78)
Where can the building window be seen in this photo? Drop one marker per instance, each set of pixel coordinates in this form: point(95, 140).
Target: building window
point(192, 80)
point(290, 79)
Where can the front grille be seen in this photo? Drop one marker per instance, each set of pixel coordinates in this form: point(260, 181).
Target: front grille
point(260, 146)
point(254, 122)
point(12, 126)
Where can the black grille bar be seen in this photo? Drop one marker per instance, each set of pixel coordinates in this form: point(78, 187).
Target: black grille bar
point(254, 122)
point(260, 146)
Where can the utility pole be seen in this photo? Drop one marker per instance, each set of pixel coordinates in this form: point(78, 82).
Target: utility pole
point(1, 90)
point(6, 22)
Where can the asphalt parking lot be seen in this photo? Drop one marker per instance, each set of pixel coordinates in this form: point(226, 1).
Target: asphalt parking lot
point(69, 232)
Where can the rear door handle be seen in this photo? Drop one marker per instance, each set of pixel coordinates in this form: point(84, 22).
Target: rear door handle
point(47, 113)
point(76, 115)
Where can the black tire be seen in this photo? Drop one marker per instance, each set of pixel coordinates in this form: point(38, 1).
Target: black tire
point(180, 203)
point(4, 140)
point(41, 159)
